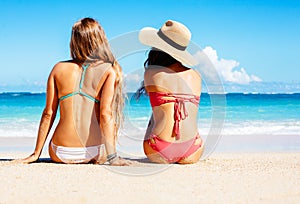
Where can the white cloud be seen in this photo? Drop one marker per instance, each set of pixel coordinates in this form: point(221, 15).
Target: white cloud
point(227, 69)
point(212, 69)
point(133, 80)
point(133, 77)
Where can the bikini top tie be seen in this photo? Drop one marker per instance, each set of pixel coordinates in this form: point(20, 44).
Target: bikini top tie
point(179, 100)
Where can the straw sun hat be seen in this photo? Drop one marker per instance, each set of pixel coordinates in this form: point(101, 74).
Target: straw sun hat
point(172, 38)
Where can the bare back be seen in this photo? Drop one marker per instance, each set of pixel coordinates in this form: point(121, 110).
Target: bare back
point(79, 111)
point(184, 81)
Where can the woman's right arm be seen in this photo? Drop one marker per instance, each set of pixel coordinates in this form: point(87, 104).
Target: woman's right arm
point(47, 119)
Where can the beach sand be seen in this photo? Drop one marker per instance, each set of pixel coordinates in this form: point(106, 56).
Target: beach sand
point(222, 178)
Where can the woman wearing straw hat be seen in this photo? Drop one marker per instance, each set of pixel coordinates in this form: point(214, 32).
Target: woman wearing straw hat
point(174, 91)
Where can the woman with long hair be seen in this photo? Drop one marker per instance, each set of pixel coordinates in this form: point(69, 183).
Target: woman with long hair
point(174, 91)
point(88, 91)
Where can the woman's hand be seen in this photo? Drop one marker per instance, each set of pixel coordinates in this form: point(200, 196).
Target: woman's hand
point(118, 161)
point(32, 158)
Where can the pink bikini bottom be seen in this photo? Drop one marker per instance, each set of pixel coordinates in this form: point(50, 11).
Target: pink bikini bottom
point(174, 152)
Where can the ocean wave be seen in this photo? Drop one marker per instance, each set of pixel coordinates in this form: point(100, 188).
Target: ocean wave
point(137, 130)
point(22, 128)
point(204, 93)
point(136, 127)
point(21, 132)
point(18, 94)
point(256, 128)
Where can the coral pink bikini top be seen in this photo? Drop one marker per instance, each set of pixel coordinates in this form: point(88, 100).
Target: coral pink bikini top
point(158, 98)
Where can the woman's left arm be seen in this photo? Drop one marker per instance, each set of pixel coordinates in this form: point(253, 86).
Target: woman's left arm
point(47, 119)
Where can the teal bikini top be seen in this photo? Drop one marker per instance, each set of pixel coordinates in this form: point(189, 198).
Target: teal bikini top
point(80, 92)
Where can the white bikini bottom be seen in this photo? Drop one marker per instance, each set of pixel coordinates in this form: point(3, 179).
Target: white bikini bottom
point(74, 155)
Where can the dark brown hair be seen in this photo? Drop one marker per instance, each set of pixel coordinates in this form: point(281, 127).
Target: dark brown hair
point(155, 58)
point(159, 58)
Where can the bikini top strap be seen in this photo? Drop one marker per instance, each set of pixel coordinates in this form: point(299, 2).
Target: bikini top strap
point(182, 97)
point(84, 67)
point(180, 111)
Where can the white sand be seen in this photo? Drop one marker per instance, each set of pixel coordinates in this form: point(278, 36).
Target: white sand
point(223, 178)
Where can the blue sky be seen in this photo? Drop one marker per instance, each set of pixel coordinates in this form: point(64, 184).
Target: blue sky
point(262, 37)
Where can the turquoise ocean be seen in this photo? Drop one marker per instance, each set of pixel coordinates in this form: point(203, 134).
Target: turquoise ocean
point(265, 116)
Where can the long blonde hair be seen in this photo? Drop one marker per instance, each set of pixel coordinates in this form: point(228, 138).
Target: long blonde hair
point(89, 44)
